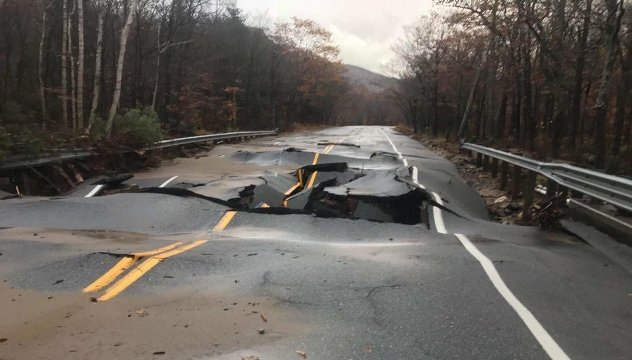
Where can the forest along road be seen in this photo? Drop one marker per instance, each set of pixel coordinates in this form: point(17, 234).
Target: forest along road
point(346, 243)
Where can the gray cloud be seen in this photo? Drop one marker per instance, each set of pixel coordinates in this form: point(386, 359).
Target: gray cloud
point(364, 30)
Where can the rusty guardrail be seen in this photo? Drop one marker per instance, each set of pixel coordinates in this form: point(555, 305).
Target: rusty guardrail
point(76, 154)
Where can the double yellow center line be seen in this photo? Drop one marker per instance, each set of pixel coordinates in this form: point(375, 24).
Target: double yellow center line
point(312, 178)
point(151, 259)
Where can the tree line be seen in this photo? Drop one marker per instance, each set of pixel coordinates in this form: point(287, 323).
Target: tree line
point(75, 67)
point(553, 77)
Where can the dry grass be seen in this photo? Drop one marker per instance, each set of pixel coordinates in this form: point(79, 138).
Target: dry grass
point(404, 129)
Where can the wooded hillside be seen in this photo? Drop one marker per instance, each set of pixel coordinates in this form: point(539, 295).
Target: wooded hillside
point(102, 67)
point(553, 76)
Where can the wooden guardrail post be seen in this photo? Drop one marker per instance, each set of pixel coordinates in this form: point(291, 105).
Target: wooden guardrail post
point(494, 168)
point(504, 173)
point(515, 182)
point(551, 189)
point(485, 162)
point(479, 159)
point(528, 194)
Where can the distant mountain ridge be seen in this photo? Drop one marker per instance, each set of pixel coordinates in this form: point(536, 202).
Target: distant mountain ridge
point(374, 82)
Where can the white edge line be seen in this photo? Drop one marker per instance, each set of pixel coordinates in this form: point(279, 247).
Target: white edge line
point(167, 182)
point(553, 350)
point(94, 191)
point(438, 215)
point(549, 345)
point(399, 154)
point(415, 176)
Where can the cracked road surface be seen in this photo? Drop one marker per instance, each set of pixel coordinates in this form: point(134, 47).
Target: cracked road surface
point(346, 243)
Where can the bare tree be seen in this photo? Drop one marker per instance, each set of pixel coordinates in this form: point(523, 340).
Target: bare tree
point(157, 80)
point(119, 68)
point(611, 33)
point(73, 80)
point(41, 65)
point(96, 92)
point(64, 69)
point(80, 65)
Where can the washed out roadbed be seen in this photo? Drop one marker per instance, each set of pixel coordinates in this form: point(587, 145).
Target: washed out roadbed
point(501, 206)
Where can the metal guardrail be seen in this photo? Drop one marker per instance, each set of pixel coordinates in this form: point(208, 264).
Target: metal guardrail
point(68, 155)
point(612, 189)
point(211, 137)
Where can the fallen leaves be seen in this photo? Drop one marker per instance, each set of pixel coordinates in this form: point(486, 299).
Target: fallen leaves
point(302, 353)
point(263, 317)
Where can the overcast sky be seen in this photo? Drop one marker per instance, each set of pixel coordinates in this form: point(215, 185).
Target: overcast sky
point(363, 29)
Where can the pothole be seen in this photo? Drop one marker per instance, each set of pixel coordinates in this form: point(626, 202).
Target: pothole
point(375, 189)
point(335, 190)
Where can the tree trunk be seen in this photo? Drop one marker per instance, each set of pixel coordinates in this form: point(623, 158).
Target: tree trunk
point(64, 70)
point(435, 103)
point(613, 24)
point(622, 93)
point(119, 69)
point(499, 123)
point(579, 77)
point(470, 99)
point(157, 81)
point(73, 80)
point(80, 66)
point(41, 68)
point(528, 111)
point(97, 72)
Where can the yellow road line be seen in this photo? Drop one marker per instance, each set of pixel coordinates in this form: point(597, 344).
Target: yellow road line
point(312, 179)
point(112, 274)
point(291, 190)
point(226, 219)
point(143, 268)
point(157, 251)
point(179, 250)
point(120, 267)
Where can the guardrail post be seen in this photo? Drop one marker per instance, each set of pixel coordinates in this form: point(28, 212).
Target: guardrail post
point(571, 180)
point(515, 182)
point(528, 194)
point(563, 192)
point(504, 173)
point(494, 168)
point(551, 189)
point(26, 190)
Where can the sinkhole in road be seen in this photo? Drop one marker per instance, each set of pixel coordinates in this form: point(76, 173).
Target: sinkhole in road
point(336, 191)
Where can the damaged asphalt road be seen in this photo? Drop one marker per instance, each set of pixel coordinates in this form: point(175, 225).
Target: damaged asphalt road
point(339, 244)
